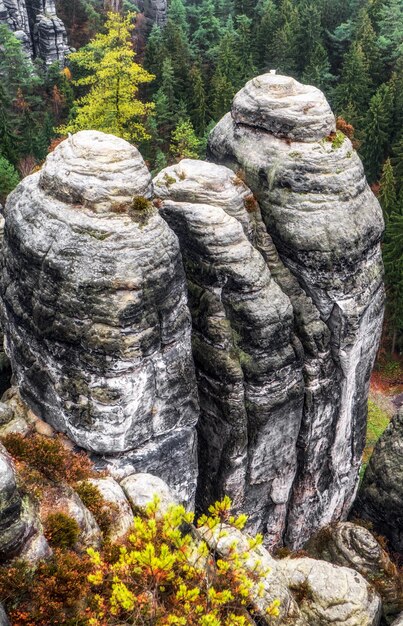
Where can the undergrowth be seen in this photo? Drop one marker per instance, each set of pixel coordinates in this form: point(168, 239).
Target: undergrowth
point(165, 574)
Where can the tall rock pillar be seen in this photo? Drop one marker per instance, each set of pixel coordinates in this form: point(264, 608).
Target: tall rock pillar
point(95, 310)
point(326, 225)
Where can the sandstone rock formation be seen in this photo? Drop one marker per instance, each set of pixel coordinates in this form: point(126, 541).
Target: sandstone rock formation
point(326, 226)
point(155, 12)
point(248, 363)
point(95, 312)
point(36, 24)
point(353, 546)
point(20, 532)
point(311, 592)
point(380, 498)
point(140, 490)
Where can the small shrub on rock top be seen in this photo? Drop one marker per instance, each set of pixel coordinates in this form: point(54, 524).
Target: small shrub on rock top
point(61, 530)
point(49, 457)
point(164, 575)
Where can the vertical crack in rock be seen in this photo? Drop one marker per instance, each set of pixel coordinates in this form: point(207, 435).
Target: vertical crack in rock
point(95, 310)
point(247, 358)
point(326, 226)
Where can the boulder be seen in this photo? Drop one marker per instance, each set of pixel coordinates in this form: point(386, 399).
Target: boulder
point(354, 546)
point(329, 594)
point(310, 592)
point(63, 499)
point(114, 495)
point(19, 528)
point(140, 490)
point(380, 498)
point(326, 226)
point(95, 310)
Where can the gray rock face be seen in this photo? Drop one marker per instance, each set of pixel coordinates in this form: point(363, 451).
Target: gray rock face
point(248, 365)
point(17, 523)
point(95, 312)
point(353, 546)
point(326, 226)
point(380, 498)
point(113, 494)
point(36, 24)
point(155, 12)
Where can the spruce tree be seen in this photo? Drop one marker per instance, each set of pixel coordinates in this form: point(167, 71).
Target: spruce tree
point(355, 82)
point(8, 178)
point(376, 129)
point(387, 191)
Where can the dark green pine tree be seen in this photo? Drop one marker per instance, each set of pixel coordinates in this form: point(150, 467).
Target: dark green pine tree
point(317, 71)
point(377, 130)
point(8, 123)
point(267, 25)
point(355, 83)
point(368, 40)
point(246, 65)
point(393, 259)
point(397, 160)
point(209, 31)
point(308, 35)
point(8, 178)
point(155, 53)
point(283, 47)
point(387, 191)
point(198, 108)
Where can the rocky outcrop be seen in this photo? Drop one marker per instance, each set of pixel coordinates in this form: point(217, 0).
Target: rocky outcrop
point(247, 358)
point(155, 12)
point(36, 24)
point(95, 312)
point(141, 489)
point(326, 226)
point(20, 533)
point(311, 592)
point(380, 498)
point(353, 546)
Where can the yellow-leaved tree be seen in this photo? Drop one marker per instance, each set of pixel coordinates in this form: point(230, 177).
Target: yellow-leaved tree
point(109, 70)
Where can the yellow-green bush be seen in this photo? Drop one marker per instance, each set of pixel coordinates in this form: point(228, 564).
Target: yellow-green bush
point(164, 575)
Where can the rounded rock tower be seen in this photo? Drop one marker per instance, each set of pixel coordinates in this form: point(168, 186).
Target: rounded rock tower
point(94, 309)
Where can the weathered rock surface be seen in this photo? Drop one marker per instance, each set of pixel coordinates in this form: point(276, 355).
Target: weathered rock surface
point(20, 533)
point(63, 499)
point(155, 12)
point(248, 367)
point(353, 546)
point(328, 594)
point(113, 494)
point(140, 490)
point(95, 312)
point(4, 621)
point(326, 226)
point(36, 24)
point(310, 592)
point(398, 621)
point(380, 498)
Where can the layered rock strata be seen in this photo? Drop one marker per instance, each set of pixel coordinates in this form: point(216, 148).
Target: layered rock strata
point(380, 498)
point(247, 357)
point(326, 226)
point(20, 532)
point(95, 310)
point(350, 545)
point(37, 25)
